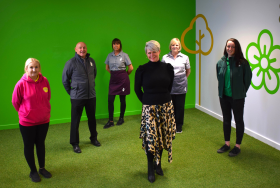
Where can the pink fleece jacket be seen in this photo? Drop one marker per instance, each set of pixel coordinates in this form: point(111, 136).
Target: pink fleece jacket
point(32, 100)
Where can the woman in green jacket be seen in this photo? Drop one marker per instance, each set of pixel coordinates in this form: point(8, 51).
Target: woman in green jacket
point(234, 78)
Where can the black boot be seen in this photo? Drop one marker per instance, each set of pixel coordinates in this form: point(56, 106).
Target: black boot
point(158, 167)
point(150, 157)
point(151, 173)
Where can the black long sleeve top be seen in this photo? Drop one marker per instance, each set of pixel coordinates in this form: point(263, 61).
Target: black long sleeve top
point(156, 79)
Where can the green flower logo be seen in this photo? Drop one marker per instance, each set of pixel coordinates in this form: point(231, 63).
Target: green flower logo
point(264, 59)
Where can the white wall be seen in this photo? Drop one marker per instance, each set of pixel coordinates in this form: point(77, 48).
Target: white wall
point(243, 20)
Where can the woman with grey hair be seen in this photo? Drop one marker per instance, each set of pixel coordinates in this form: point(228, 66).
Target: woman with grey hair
point(182, 70)
point(157, 123)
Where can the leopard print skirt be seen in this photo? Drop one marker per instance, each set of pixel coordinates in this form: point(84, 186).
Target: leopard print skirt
point(158, 129)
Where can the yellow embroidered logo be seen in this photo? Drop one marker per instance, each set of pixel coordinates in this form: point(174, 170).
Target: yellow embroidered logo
point(45, 89)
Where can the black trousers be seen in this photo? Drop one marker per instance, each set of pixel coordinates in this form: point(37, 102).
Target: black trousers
point(77, 106)
point(179, 109)
point(111, 99)
point(34, 135)
point(236, 106)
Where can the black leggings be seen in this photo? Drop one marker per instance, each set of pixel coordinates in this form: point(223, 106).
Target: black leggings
point(111, 99)
point(34, 135)
point(236, 106)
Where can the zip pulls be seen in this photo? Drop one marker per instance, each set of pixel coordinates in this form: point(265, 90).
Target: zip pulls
point(86, 71)
point(231, 83)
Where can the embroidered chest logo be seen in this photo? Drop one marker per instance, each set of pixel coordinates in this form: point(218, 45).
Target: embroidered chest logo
point(90, 63)
point(45, 89)
point(123, 89)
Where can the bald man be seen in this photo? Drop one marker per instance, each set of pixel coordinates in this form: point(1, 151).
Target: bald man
point(78, 79)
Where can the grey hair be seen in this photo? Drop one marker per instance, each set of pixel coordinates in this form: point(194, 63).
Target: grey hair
point(152, 45)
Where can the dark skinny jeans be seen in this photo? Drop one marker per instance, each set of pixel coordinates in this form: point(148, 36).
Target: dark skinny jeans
point(236, 106)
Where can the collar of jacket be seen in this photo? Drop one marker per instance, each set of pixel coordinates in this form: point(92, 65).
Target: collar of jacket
point(79, 57)
point(224, 58)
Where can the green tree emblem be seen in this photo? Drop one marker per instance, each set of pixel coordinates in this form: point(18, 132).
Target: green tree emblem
point(265, 67)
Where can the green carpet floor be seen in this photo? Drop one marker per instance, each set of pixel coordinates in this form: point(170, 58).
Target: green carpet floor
point(120, 161)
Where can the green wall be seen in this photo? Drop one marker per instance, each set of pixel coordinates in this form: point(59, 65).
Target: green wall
point(49, 31)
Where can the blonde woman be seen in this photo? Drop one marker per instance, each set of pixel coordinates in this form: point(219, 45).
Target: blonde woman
point(31, 99)
point(182, 70)
point(158, 123)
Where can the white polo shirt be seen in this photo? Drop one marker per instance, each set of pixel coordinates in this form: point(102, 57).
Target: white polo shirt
point(180, 64)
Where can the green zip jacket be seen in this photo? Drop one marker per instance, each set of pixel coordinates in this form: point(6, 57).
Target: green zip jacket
point(240, 77)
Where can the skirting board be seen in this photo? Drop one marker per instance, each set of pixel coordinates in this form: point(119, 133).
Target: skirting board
point(247, 131)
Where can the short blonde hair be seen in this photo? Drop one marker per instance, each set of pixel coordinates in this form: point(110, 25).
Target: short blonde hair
point(175, 40)
point(152, 45)
point(30, 60)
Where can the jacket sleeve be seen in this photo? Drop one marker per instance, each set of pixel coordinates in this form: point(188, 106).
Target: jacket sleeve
point(217, 71)
point(247, 75)
point(171, 73)
point(66, 76)
point(17, 97)
point(138, 82)
point(49, 89)
point(95, 70)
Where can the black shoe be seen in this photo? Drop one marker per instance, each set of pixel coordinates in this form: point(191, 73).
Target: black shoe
point(120, 122)
point(96, 143)
point(158, 169)
point(77, 149)
point(45, 173)
point(108, 125)
point(235, 151)
point(151, 178)
point(35, 176)
point(223, 149)
point(179, 129)
point(151, 173)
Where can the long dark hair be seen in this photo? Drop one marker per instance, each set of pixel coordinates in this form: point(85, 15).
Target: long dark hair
point(238, 55)
point(117, 41)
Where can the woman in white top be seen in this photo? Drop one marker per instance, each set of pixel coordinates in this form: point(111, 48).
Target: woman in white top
point(182, 70)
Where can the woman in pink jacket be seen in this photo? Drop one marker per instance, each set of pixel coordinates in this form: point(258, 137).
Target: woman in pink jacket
point(31, 99)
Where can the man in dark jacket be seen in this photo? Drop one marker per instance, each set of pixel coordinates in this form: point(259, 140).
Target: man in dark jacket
point(78, 79)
